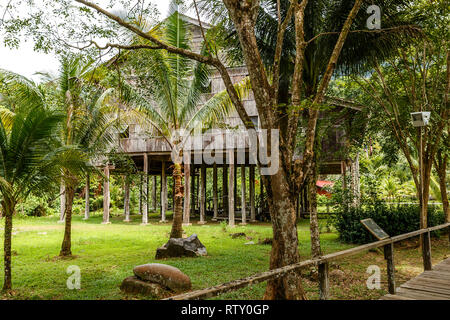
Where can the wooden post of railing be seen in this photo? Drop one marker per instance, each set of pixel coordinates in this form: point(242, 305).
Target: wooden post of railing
point(426, 251)
point(389, 256)
point(324, 284)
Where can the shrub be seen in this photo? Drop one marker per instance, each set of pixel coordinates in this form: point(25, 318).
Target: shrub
point(34, 206)
point(96, 202)
point(394, 220)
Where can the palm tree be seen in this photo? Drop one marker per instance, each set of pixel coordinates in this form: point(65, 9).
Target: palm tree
point(175, 99)
point(322, 21)
point(31, 157)
point(88, 118)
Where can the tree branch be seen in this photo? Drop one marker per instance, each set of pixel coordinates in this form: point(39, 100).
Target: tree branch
point(279, 45)
point(209, 60)
point(313, 110)
point(114, 45)
point(187, 53)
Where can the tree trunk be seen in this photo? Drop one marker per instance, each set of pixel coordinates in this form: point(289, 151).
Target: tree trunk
point(106, 196)
point(285, 244)
point(86, 198)
point(441, 168)
point(177, 230)
point(8, 211)
point(66, 247)
point(426, 191)
point(62, 197)
point(314, 221)
point(187, 193)
point(126, 201)
point(356, 188)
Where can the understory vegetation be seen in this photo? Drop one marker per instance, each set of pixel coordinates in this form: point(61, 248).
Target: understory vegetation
point(394, 219)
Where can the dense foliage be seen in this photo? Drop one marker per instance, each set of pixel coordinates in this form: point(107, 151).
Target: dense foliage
point(394, 219)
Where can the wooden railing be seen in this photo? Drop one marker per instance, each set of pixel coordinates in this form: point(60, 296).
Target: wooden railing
point(322, 263)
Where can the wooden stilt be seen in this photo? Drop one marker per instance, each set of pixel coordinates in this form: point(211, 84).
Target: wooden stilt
point(202, 195)
point(145, 192)
point(252, 194)
point(163, 192)
point(193, 190)
point(261, 194)
point(154, 185)
point(141, 179)
point(243, 202)
point(225, 199)
point(231, 191)
point(106, 196)
point(215, 200)
point(235, 188)
point(197, 192)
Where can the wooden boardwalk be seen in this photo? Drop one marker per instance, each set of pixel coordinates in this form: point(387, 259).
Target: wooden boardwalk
point(430, 285)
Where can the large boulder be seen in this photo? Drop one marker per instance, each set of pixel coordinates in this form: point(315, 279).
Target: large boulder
point(134, 285)
point(164, 275)
point(180, 247)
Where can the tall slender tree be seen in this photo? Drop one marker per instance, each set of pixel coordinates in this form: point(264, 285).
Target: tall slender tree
point(173, 96)
point(31, 154)
point(89, 116)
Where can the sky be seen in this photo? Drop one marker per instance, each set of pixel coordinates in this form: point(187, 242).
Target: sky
point(26, 61)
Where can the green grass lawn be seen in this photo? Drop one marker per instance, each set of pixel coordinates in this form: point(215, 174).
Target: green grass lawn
point(106, 254)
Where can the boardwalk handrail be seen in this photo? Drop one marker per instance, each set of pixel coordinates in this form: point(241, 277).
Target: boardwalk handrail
point(275, 273)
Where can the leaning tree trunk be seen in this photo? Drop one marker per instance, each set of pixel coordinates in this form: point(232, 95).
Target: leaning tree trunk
point(8, 210)
point(177, 230)
point(66, 247)
point(285, 244)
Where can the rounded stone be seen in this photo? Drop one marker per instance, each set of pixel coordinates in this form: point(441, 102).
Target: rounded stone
point(134, 285)
point(163, 274)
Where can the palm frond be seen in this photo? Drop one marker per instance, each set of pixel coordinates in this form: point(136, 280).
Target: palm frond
point(24, 92)
point(7, 117)
point(218, 106)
